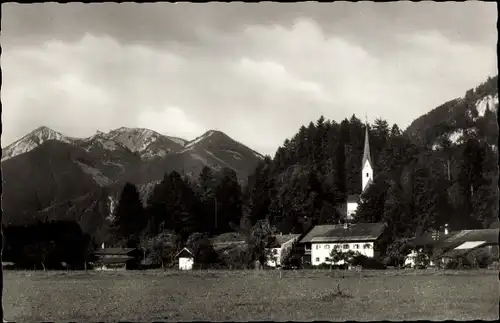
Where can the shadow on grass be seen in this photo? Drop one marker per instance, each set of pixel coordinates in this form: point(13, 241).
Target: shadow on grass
point(330, 297)
point(334, 295)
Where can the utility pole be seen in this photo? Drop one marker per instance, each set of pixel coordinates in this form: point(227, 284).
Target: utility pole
point(448, 162)
point(215, 206)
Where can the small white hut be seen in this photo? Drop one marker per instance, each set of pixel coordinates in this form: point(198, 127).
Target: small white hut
point(186, 259)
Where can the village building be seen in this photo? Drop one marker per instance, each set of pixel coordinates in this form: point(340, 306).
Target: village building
point(279, 248)
point(445, 245)
point(116, 258)
point(361, 238)
point(318, 243)
point(350, 206)
point(186, 258)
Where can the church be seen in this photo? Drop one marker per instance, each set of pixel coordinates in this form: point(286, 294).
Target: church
point(349, 207)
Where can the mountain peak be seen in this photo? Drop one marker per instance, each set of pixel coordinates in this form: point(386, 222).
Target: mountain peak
point(31, 141)
point(43, 130)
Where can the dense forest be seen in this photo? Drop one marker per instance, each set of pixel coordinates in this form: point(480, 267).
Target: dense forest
point(416, 187)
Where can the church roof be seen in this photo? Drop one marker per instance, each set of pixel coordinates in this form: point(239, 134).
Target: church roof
point(370, 182)
point(366, 151)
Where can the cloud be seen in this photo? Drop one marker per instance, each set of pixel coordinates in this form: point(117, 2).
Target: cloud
point(171, 121)
point(258, 80)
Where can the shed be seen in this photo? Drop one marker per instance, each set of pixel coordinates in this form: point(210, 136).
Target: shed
point(186, 258)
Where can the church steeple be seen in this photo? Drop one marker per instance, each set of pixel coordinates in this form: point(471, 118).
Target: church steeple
point(366, 165)
point(366, 152)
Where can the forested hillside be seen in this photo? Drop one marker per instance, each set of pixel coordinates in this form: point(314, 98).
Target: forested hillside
point(422, 180)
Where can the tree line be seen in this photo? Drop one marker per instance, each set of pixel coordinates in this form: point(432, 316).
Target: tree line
point(415, 189)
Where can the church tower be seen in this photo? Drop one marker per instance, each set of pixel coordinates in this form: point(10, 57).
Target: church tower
point(366, 164)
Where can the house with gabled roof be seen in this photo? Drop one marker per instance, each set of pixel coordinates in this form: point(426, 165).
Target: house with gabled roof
point(360, 237)
point(279, 247)
point(305, 242)
point(116, 258)
point(461, 242)
point(186, 258)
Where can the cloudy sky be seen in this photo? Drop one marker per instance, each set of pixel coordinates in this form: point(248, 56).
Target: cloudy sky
point(254, 71)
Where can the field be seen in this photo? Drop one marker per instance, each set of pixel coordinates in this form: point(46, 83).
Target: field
point(250, 295)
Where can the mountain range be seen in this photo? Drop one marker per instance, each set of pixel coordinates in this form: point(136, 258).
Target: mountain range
point(47, 175)
point(45, 169)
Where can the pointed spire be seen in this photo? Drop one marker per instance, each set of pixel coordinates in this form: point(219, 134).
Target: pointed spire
point(366, 152)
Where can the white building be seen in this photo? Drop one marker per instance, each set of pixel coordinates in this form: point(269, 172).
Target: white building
point(360, 237)
point(186, 259)
point(280, 248)
point(366, 164)
point(349, 208)
point(352, 206)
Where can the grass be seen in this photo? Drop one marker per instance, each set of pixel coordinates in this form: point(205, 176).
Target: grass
point(250, 295)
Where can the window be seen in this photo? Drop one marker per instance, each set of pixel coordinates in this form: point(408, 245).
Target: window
point(367, 175)
point(356, 246)
point(275, 251)
point(317, 259)
point(336, 246)
point(327, 259)
point(367, 246)
point(346, 246)
point(317, 246)
point(327, 246)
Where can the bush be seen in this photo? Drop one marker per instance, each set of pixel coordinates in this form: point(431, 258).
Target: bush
point(481, 259)
point(322, 266)
point(458, 262)
point(367, 262)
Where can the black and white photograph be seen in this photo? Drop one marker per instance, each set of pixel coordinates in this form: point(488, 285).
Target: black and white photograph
point(241, 161)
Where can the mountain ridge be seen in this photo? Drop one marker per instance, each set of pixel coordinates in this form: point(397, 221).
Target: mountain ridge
point(62, 168)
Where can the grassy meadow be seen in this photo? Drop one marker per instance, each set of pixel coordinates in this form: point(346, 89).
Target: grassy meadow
point(250, 295)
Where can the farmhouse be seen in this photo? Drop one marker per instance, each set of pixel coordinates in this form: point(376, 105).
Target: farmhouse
point(186, 258)
point(305, 242)
point(360, 237)
point(116, 258)
point(450, 244)
point(279, 248)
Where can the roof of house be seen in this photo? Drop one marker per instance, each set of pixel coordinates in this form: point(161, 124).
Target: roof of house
point(228, 238)
point(114, 260)
point(456, 238)
point(354, 232)
point(317, 231)
point(280, 240)
point(114, 251)
point(185, 251)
